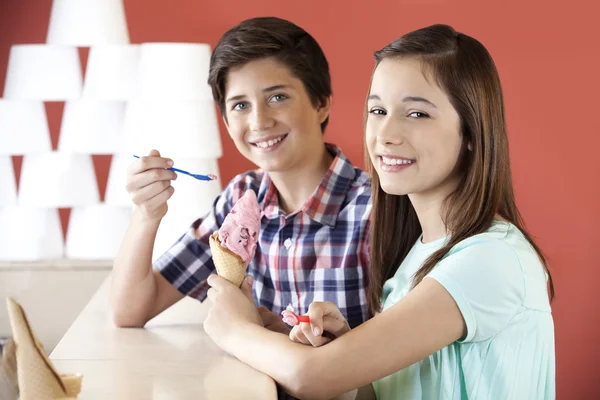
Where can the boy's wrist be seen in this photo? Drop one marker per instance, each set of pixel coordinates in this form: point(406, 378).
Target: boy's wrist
point(144, 219)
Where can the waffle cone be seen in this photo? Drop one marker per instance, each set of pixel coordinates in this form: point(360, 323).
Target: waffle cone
point(37, 378)
point(9, 389)
point(228, 264)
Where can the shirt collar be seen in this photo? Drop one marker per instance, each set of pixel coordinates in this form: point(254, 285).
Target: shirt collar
point(324, 204)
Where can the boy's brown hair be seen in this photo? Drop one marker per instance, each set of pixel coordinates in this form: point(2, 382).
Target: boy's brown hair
point(264, 37)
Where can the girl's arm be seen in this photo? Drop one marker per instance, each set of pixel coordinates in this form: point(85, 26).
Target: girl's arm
point(422, 323)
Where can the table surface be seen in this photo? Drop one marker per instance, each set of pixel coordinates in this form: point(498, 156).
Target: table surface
point(63, 264)
point(171, 358)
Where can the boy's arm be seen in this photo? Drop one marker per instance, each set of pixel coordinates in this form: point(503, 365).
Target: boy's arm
point(138, 292)
point(141, 290)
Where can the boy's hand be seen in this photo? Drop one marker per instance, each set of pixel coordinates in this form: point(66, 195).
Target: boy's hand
point(272, 321)
point(326, 324)
point(149, 184)
point(232, 309)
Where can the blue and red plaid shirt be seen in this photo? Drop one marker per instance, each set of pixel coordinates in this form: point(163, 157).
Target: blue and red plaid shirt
point(318, 253)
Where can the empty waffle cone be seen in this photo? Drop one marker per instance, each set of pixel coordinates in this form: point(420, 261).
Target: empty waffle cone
point(37, 378)
point(228, 264)
point(9, 389)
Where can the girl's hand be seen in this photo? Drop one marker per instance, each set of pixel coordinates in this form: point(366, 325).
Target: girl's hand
point(326, 324)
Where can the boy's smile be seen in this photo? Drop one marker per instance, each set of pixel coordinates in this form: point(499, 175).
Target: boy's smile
point(269, 143)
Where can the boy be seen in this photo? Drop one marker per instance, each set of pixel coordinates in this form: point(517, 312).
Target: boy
point(271, 82)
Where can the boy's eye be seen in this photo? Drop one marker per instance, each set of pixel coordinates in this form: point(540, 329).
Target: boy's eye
point(240, 106)
point(418, 114)
point(278, 97)
point(377, 111)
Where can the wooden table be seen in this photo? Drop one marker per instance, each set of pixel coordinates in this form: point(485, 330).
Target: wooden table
point(172, 358)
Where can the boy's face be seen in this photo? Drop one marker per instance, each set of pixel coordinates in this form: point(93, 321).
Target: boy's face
point(270, 117)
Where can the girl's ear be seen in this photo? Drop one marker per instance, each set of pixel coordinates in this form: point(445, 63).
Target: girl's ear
point(470, 146)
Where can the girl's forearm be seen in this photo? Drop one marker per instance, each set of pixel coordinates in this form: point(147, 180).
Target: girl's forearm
point(303, 371)
point(425, 321)
point(273, 354)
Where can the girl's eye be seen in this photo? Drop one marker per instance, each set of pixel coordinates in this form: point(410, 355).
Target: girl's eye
point(377, 111)
point(418, 114)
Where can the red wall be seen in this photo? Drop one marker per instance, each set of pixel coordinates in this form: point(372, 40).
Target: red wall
point(549, 60)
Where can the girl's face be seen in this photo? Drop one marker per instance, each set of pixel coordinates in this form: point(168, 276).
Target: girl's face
point(412, 132)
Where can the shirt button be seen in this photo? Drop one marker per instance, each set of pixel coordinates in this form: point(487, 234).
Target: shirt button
point(287, 243)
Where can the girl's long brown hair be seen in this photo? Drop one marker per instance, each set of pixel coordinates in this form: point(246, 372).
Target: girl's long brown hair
point(464, 69)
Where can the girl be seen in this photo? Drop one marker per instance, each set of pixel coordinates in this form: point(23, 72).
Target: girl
point(462, 286)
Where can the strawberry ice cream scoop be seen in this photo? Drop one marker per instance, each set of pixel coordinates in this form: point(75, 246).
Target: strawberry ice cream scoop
point(240, 229)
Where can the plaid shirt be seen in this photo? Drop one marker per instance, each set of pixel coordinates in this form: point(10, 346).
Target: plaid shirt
point(318, 253)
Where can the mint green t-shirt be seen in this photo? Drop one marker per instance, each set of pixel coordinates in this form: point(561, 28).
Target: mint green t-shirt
point(500, 287)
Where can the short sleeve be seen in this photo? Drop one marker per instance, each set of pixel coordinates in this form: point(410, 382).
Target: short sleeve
point(486, 281)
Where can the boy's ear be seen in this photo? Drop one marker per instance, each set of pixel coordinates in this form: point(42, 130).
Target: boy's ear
point(324, 109)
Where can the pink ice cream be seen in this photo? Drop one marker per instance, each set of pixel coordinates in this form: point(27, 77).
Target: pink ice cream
point(239, 232)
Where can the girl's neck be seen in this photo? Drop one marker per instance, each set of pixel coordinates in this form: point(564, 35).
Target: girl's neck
point(428, 206)
point(429, 214)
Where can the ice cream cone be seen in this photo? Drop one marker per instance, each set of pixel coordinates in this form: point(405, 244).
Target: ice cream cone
point(9, 389)
point(228, 264)
point(38, 380)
